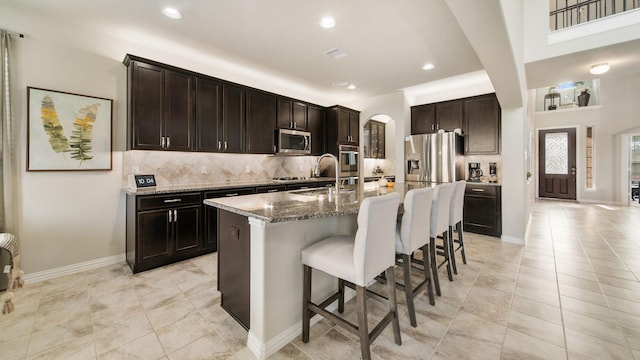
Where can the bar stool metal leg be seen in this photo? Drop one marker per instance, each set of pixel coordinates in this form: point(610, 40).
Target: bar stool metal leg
point(393, 306)
point(461, 241)
point(426, 262)
point(452, 251)
point(408, 288)
point(306, 298)
point(447, 255)
point(363, 326)
point(434, 265)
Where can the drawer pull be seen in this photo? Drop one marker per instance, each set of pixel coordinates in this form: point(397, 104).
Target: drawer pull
point(234, 194)
point(272, 190)
point(478, 190)
point(168, 201)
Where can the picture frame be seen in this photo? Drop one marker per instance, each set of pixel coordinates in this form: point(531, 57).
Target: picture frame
point(68, 132)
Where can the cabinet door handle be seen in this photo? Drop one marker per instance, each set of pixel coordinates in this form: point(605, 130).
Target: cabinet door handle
point(233, 194)
point(225, 146)
point(175, 215)
point(433, 127)
point(168, 201)
point(306, 143)
point(294, 124)
point(168, 142)
point(272, 190)
point(219, 145)
point(274, 149)
point(478, 190)
point(437, 126)
point(162, 142)
point(170, 218)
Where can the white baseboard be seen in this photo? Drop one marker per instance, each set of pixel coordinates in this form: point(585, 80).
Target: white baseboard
point(512, 239)
point(72, 269)
point(263, 350)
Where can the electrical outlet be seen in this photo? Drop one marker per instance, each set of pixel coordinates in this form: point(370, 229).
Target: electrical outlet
point(7, 269)
point(203, 170)
point(135, 169)
point(247, 169)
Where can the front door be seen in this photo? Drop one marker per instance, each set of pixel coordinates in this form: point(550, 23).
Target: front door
point(557, 170)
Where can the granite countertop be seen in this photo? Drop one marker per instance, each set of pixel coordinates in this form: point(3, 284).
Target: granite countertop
point(304, 204)
point(168, 189)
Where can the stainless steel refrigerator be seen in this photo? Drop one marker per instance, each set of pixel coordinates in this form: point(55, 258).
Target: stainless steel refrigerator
point(437, 158)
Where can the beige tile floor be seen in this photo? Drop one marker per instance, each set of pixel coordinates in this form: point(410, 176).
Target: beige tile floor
point(572, 292)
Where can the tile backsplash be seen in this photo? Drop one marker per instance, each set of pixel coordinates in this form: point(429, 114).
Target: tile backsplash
point(187, 168)
point(484, 161)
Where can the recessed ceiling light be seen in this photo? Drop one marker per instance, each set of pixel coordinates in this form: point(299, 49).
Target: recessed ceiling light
point(599, 69)
point(340, 83)
point(428, 66)
point(171, 13)
point(352, 87)
point(327, 22)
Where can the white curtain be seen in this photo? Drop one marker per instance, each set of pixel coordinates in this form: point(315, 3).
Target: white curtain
point(6, 145)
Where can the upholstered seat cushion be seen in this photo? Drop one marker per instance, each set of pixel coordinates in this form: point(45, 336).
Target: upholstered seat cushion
point(333, 256)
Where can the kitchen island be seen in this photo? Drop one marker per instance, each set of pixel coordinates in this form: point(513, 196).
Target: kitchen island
point(279, 226)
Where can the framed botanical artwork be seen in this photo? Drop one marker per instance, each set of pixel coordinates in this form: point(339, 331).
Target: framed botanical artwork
point(68, 132)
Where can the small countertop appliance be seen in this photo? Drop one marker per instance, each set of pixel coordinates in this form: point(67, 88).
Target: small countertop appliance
point(474, 172)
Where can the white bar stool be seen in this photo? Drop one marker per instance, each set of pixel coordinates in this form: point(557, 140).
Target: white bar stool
point(455, 222)
point(357, 260)
point(412, 234)
point(440, 228)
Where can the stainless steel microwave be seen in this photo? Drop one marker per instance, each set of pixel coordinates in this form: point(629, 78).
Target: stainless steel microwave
point(293, 142)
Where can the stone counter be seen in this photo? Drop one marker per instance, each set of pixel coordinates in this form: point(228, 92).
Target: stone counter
point(305, 204)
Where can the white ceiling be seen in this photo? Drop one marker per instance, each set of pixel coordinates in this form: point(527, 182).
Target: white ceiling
point(624, 59)
point(387, 43)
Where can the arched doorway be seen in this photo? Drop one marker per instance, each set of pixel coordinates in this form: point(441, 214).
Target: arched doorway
point(379, 146)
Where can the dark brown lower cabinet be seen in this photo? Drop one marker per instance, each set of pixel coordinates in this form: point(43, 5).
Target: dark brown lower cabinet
point(234, 267)
point(162, 229)
point(211, 214)
point(483, 209)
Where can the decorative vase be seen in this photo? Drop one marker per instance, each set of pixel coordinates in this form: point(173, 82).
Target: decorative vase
point(583, 98)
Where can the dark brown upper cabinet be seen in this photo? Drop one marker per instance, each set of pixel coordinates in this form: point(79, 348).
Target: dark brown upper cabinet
point(449, 115)
point(170, 108)
point(291, 114)
point(159, 107)
point(316, 126)
point(261, 122)
point(482, 117)
point(233, 108)
point(208, 115)
point(343, 127)
point(423, 119)
point(374, 139)
point(430, 118)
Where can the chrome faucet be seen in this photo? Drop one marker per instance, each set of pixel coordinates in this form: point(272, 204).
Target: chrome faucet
point(335, 161)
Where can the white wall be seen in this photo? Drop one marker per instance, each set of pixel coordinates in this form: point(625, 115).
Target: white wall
point(395, 106)
point(536, 32)
point(617, 115)
point(65, 218)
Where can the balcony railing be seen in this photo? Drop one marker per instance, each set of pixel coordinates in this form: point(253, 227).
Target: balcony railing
point(566, 13)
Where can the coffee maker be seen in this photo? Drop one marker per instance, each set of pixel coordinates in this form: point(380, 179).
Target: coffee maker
point(474, 172)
